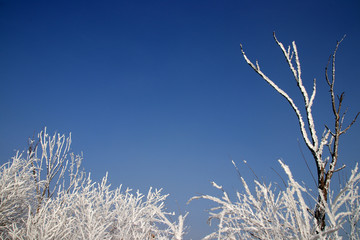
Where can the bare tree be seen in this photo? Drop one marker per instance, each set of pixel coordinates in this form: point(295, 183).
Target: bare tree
point(325, 166)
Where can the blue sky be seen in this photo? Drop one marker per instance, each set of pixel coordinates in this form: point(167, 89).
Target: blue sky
point(158, 94)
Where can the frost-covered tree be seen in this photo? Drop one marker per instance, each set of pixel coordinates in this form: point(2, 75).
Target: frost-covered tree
point(326, 164)
point(46, 196)
point(269, 212)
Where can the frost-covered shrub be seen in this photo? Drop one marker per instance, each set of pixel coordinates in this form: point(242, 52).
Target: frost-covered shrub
point(93, 211)
point(269, 213)
point(16, 192)
point(48, 197)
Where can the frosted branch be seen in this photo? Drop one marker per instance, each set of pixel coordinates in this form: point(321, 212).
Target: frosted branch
point(286, 96)
point(308, 103)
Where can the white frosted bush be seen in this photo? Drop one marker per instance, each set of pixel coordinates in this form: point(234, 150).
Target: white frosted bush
point(268, 213)
point(16, 193)
point(48, 197)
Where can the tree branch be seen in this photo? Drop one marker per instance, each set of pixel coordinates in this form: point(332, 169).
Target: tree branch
point(256, 68)
point(353, 121)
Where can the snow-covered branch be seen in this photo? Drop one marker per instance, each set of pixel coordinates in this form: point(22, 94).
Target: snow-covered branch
point(311, 144)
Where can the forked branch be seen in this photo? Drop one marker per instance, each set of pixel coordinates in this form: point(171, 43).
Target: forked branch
point(312, 143)
point(334, 144)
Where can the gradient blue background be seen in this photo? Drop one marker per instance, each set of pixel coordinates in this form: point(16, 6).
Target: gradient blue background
point(158, 94)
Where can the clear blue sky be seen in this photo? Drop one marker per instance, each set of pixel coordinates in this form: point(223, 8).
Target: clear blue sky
point(158, 94)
